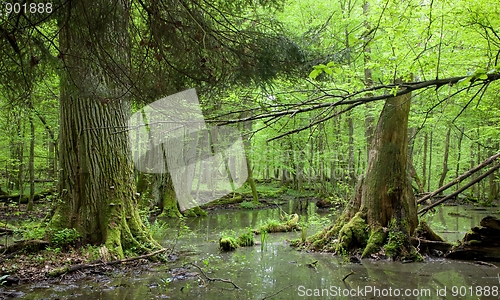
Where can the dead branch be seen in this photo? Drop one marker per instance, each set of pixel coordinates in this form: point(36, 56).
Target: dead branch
point(24, 198)
point(69, 269)
point(272, 295)
point(438, 245)
point(460, 178)
point(215, 279)
point(26, 245)
point(493, 169)
point(349, 274)
point(353, 99)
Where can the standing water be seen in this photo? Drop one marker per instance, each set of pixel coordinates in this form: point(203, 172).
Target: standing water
point(274, 270)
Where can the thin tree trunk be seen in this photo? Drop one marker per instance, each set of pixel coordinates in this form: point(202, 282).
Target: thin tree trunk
point(459, 155)
point(424, 161)
point(248, 128)
point(430, 163)
point(445, 158)
point(369, 119)
point(31, 163)
point(460, 178)
point(350, 164)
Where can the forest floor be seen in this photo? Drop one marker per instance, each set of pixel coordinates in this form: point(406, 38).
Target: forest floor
point(23, 267)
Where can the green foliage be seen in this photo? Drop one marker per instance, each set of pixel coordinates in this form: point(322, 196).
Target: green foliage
point(32, 230)
point(246, 239)
point(91, 252)
point(159, 229)
point(228, 241)
point(263, 239)
point(249, 205)
point(64, 237)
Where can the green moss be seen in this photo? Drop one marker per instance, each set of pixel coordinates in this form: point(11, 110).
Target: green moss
point(273, 225)
point(249, 204)
point(395, 244)
point(322, 240)
point(170, 212)
point(228, 244)
point(353, 234)
point(194, 212)
point(375, 242)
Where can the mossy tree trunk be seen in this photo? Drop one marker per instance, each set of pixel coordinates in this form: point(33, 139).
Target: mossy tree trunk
point(97, 188)
point(382, 215)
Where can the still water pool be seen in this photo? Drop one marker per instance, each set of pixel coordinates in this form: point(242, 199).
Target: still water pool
point(274, 270)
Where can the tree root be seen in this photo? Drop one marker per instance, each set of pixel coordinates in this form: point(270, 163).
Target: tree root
point(69, 269)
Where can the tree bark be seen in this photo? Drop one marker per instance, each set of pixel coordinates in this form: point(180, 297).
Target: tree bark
point(96, 179)
point(445, 158)
point(31, 163)
point(424, 162)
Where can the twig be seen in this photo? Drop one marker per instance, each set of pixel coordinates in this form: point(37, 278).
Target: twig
point(73, 268)
point(215, 279)
point(350, 273)
point(272, 295)
point(483, 263)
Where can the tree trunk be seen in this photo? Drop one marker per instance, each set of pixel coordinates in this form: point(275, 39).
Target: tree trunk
point(424, 162)
point(31, 163)
point(369, 119)
point(459, 155)
point(445, 158)
point(430, 164)
point(248, 128)
point(96, 179)
point(383, 211)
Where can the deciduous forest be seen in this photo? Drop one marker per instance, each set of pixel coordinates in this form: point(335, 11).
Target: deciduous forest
point(268, 149)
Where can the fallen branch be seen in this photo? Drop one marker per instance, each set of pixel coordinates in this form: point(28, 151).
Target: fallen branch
point(24, 198)
point(350, 273)
point(26, 245)
point(215, 279)
point(272, 295)
point(437, 245)
point(493, 169)
point(460, 178)
point(69, 269)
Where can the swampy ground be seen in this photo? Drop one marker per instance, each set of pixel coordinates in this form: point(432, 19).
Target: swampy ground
point(271, 269)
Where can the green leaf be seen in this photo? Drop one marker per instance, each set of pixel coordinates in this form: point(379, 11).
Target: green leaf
point(482, 76)
point(314, 73)
point(466, 79)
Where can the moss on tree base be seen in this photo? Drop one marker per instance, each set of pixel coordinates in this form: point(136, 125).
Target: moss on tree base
point(355, 235)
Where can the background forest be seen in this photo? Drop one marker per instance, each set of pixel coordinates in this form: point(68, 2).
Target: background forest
point(298, 54)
